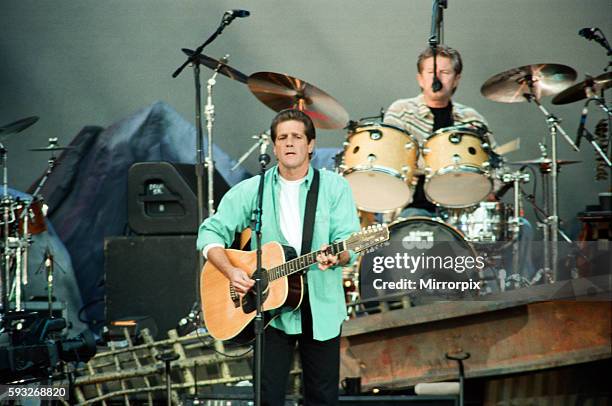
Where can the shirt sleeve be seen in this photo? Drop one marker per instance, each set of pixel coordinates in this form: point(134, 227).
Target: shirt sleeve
point(344, 219)
point(232, 216)
point(395, 115)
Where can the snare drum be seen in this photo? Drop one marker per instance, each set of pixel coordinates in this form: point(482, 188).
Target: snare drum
point(379, 162)
point(457, 168)
point(489, 222)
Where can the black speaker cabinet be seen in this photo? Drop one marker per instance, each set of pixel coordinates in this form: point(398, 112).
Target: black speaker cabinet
point(151, 276)
point(162, 197)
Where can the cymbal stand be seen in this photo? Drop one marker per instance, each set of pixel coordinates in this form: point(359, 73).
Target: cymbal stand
point(591, 91)
point(263, 141)
point(516, 178)
point(553, 220)
point(7, 203)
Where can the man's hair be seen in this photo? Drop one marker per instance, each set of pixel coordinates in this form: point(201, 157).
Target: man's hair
point(293, 115)
point(441, 50)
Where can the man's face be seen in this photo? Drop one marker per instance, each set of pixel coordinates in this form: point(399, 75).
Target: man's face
point(291, 147)
point(446, 76)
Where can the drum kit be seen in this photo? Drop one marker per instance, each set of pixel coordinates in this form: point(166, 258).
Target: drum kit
point(22, 218)
point(462, 170)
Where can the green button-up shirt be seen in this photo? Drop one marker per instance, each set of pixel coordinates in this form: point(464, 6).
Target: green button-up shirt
point(335, 219)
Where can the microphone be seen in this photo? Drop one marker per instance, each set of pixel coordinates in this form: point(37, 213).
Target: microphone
point(583, 116)
point(238, 13)
point(264, 158)
point(588, 32)
point(436, 85)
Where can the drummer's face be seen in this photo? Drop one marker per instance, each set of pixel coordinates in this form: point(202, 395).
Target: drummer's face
point(292, 149)
point(447, 76)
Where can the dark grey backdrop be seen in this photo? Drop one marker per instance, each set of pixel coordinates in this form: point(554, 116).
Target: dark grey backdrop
point(95, 62)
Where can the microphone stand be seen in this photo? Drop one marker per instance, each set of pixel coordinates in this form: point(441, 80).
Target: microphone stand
point(194, 60)
point(264, 159)
point(435, 37)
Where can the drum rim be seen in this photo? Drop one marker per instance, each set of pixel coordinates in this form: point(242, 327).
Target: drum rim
point(437, 220)
point(393, 127)
point(375, 168)
point(463, 168)
point(456, 129)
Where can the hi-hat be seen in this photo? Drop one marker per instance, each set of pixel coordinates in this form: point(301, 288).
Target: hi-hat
point(51, 148)
point(579, 90)
point(18, 126)
point(544, 79)
point(279, 91)
point(213, 63)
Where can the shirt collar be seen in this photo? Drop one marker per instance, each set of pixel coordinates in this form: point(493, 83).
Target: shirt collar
point(309, 175)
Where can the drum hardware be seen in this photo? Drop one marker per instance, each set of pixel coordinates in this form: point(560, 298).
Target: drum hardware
point(530, 83)
point(263, 141)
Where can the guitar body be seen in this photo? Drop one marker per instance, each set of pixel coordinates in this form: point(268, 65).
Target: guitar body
point(226, 315)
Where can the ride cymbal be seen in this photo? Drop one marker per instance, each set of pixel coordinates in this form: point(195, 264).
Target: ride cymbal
point(544, 79)
point(213, 63)
point(579, 90)
point(279, 91)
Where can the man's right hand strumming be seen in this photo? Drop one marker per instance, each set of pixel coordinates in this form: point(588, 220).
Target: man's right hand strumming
point(239, 279)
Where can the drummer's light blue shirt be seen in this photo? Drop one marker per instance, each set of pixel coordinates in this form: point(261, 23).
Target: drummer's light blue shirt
point(335, 219)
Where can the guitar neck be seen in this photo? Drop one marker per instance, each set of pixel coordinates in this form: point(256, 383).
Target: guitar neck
point(302, 262)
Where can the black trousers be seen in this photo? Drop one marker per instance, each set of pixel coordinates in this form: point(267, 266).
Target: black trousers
point(320, 364)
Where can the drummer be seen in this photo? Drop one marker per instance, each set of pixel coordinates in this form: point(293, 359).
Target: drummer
point(430, 111)
point(426, 113)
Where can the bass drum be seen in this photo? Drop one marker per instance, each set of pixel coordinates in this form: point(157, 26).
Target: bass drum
point(425, 251)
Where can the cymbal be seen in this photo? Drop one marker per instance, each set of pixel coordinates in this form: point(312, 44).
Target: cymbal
point(51, 148)
point(18, 126)
point(543, 161)
point(213, 63)
point(511, 86)
point(578, 91)
point(279, 91)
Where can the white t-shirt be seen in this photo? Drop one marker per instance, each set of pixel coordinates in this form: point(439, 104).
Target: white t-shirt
point(289, 216)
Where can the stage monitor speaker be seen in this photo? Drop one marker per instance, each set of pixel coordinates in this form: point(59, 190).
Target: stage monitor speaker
point(162, 197)
point(151, 276)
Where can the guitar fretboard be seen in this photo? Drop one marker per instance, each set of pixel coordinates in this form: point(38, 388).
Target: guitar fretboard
point(301, 262)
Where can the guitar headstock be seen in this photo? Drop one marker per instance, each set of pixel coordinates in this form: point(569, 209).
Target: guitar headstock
point(367, 238)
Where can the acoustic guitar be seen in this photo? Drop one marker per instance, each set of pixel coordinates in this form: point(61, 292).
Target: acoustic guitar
point(228, 316)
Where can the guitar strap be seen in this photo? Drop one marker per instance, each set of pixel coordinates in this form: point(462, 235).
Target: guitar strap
point(309, 214)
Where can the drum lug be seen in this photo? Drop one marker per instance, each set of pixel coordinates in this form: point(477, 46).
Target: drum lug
point(405, 169)
point(408, 146)
point(428, 172)
point(456, 159)
point(486, 165)
point(345, 144)
point(425, 150)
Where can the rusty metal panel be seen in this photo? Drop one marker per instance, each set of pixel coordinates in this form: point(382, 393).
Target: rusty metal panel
point(501, 339)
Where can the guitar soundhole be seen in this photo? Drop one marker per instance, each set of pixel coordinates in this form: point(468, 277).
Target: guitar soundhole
point(249, 301)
